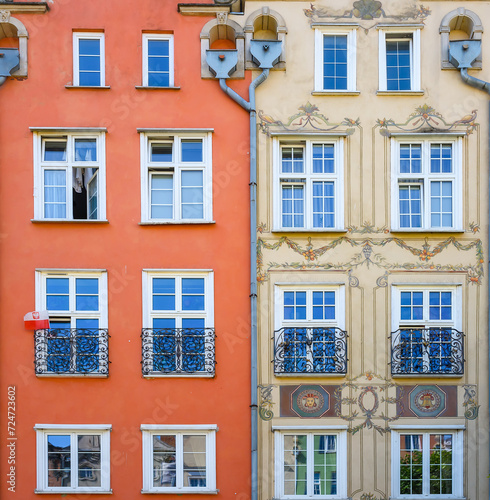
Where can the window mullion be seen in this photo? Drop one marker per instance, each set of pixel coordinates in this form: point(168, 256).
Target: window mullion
point(426, 223)
point(310, 472)
point(426, 464)
point(179, 460)
point(74, 460)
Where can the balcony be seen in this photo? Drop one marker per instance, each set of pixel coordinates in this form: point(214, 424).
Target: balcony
point(178, 351)
point(427, 351)
point(310, 350)
point(72, 351)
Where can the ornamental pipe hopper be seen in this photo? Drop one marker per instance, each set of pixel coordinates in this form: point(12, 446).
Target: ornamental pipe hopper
point(222, 63)
point(462, 53)
point(265, 53)
point(9, 62)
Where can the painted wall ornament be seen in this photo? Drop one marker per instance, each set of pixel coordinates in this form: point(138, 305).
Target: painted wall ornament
point(266, 403)
point(308, 118)
point(428, 401)
point(470, 402)
point(369, 393)
point(425, 118)
point(367, 256)
point(368, 10)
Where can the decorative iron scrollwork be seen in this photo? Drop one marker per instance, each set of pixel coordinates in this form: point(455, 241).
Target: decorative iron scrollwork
point(310, 350)
point(75, 351)
point(427, 351)
point(178, 350)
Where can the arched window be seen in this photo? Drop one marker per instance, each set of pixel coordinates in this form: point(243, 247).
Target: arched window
point(222, 33)
point(459, 24)
point(265, 24)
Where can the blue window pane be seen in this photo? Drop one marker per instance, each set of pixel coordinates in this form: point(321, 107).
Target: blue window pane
point(158, 64)
point(87, 303)
point(89, 47)
point(161, 323)
point(288, 298)
point(54, 150)
point(89, 63)
point(57, 285)
point(164, 302)
point(55, 324)
point(192, 151)
point(57, 303)
point(85, 149)
point(163, 285)
point(158, 47)
point(446, 298)
point(301, 298)
point(89, 79)
point(87, 286)
point(158, 80)
point(300, 312)
point(197, 323)
point(87, 323)
point(161, 152)
point(193, 285)
point(418, 298)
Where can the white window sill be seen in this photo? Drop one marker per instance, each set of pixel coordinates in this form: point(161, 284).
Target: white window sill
point(426, 230)
point(427, 375)
point(174, 222)
point(180, 492)
point(154, 87)
point(102, 87)
point(310, 375)
point(65, 491)
point(336, 92)
point(428, 497)
point(72, 375)
point(308, 230)
point(178, 375)
point(400, 92)
point(71, 221)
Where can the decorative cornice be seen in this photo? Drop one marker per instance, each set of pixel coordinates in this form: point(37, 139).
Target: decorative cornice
point(24, 7)
point(202, 9)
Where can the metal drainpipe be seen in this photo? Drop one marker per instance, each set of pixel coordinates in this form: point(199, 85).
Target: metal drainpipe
point(482, 85)
point(250, 107)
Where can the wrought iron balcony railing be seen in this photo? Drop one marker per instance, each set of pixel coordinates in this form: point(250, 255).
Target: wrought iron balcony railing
point(427, 351)
point(71, 351)
point(310, 350)
point(178, 351)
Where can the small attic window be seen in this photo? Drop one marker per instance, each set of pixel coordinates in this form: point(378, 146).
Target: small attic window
point(460, 24)
point(265, 24)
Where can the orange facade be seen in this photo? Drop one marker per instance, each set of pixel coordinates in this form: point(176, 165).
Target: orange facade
point(48, 109)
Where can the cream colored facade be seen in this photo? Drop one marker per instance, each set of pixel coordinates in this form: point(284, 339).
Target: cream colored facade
point(366, 265)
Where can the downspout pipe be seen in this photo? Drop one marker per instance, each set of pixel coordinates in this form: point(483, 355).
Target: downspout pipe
point(250, 107)
point(459, 60)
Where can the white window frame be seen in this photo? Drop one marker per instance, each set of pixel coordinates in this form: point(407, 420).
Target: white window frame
point(70, 136)
point(72, 275)
point(307, 178)
point(457, 455)
point(456, 310)
point(176, 167)
point(207, 313)
point(310, 432)
point(351, 35)
point(72, 313)
point(424, 179)
point(158, 36)
point(77, 36)
point(42, 432)
point(148, 431)
point(412, 34)
point(280, 322)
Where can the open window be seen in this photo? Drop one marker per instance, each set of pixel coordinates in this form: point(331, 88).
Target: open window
point(13, 35)
point(69, 175)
